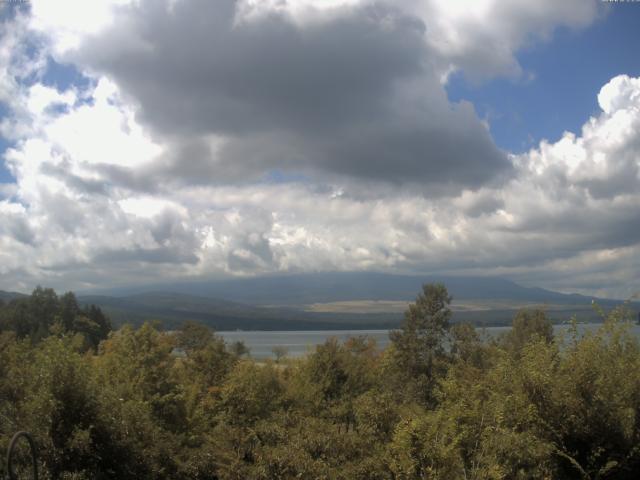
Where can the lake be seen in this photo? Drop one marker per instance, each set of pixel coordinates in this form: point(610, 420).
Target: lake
point(300, 342)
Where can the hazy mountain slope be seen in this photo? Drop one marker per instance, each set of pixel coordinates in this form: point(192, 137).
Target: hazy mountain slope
point(172, 309)
point(8, 296)
point(288, 298)
point(332, 287)
point(289, 302)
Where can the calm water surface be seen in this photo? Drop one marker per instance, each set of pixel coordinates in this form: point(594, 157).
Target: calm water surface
point(299, 343)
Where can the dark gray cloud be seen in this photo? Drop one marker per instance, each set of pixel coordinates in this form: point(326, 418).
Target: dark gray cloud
point(354, 93)
point(194, 71)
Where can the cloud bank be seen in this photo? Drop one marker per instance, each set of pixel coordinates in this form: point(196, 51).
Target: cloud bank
point(241, 138)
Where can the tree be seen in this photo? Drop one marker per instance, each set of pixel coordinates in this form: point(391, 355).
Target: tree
point(418, 348)
point(426, 448)
point(95, 315)
point(239, 349)
point(44, 306)
point(68, 310)
point(528, 325)
point(467, 346)
point(208, 361)
point(44, 313)
point(250, 393)
point(32, 316)
point(193, 336)
point(138, 364)
point(279, 352)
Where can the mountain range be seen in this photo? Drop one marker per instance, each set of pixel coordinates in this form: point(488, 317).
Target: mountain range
point(342, 300)
point(303, 289)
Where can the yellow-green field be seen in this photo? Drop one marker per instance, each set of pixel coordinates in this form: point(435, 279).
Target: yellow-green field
point(396, 306)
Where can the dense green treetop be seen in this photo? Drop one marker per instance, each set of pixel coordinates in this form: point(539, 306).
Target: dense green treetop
point(44, 313)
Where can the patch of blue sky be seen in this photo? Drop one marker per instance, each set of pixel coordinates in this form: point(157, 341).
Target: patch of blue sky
point(566, 75)
point(10, 8)
point(5, 174)
point(64, 76)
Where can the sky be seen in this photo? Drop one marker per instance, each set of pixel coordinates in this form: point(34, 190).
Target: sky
point(187, 139)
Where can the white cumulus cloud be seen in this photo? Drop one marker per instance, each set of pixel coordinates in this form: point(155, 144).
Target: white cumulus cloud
point(117, 183)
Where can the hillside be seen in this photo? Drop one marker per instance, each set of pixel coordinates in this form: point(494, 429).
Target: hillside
point(327, 301)
point(332, 301)
point(8, 296)
point(304, 289)
point(172, 309)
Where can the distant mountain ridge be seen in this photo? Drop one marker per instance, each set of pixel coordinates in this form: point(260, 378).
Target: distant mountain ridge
point(302, 289)
point(282, 302)
point(172, 309)
point(8, 296)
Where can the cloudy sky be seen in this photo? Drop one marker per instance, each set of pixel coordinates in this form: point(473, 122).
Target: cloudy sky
point(168, 139)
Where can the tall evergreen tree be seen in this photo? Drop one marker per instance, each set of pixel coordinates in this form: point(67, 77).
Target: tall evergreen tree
point(418, 347)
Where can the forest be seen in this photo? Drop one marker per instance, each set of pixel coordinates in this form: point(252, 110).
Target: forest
point(443, 401)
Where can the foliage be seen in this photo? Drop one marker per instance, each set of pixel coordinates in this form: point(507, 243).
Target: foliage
point(527, 325)
point(418, 349)
point(440, 403)
point(43, 313)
